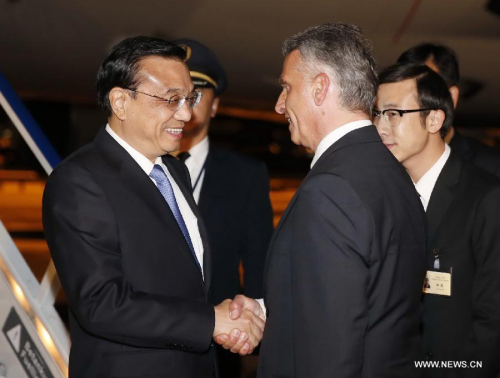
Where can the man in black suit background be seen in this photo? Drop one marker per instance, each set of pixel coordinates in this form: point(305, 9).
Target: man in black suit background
point(461, 320)
point(125, 233)
point(232, 193)
point(346, 264)
point(444, 61)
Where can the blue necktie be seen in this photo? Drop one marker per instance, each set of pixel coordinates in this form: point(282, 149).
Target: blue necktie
point(166, 190)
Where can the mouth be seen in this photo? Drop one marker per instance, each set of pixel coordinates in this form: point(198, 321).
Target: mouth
point(389, 145)
point(174, 131)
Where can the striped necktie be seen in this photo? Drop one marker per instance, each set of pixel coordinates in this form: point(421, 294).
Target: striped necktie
point(166, 190)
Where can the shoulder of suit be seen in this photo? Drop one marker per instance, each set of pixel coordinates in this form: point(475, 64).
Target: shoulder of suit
point(477, 178)
point(337, 188)
point(83, 157)
point(482, 148)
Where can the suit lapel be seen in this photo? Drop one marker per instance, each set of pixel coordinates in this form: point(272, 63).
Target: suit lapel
point(442, 195)
point(134, 179)
point(132, 176)
point(179, 174)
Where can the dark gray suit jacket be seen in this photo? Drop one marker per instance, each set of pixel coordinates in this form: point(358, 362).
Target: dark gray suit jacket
point(473, 151)
point(345, 269)
point(464, 226)
point(234, 203)
point(137, 300)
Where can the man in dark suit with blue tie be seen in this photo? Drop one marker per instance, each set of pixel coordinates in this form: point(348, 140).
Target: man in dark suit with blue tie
point(125, 233)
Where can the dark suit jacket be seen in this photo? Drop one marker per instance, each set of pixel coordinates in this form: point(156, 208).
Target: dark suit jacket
point(137, 300)
point(476, 153)
point(234, 203)
point(464, 224)
point(345, 269)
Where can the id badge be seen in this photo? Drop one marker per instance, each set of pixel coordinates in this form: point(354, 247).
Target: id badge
point(438, 282)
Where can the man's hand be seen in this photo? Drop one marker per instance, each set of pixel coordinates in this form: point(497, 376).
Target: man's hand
point(240, 303)
point(245, 331)
point(236, 340)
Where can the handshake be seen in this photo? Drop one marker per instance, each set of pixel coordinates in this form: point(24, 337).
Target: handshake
point(239, 324)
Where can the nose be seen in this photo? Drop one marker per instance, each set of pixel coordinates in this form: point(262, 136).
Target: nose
point(382, 127)
point(280, 104)
point(184, 113)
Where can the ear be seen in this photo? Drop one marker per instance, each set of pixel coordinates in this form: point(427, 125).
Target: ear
point(118, 100)
point(434, 121)
point(320, 85)
point(215, 106)
point(455, 93)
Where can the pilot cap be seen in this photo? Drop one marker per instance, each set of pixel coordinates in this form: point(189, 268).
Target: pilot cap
point(204, 67)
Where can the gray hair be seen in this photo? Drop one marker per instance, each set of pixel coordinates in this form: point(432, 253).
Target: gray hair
point(346, 55)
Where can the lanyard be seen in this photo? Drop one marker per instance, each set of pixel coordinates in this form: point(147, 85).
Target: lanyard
point(199, 176)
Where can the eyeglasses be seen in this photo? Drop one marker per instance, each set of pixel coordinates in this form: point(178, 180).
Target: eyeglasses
point(392, 116)
point(175, 102)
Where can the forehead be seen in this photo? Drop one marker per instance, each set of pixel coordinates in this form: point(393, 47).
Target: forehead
point(292, 65)
point(165, 74)
point(397, 94)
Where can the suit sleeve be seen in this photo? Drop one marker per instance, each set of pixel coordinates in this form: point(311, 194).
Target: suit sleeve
point(483, 341)
point(330, 273)
point(83, 237)
point(259, 229)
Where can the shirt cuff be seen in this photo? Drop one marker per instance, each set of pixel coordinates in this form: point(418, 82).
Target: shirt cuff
point(263, 306)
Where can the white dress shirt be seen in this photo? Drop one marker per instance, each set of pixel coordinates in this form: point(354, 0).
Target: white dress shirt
point(188, 215)
point(335, 135)
point(426, 184)
point(196, 166)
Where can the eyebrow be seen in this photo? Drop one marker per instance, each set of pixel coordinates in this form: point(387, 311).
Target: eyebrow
point(390, 106)
point(170, 90)
point(175, 90)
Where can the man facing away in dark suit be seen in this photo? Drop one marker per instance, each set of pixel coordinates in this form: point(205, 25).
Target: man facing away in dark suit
point(346, 263)
point(461, 322)
point(232, 193)
point(443, 60)
point(125, 234)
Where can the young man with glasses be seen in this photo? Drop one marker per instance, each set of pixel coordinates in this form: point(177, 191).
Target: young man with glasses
point(461, 322)
point(125, 233)
point(444, 61)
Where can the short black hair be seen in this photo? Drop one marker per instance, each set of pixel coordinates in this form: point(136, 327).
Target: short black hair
point(120, 67)
point(443, 57)
point(432, 90)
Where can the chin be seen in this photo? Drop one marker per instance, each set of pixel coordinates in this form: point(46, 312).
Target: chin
point(171, 148)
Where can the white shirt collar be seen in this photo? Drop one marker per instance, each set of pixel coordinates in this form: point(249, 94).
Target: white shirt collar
point(199, 153)
point(143, 161)
point(335, 135)
point(426, 184)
